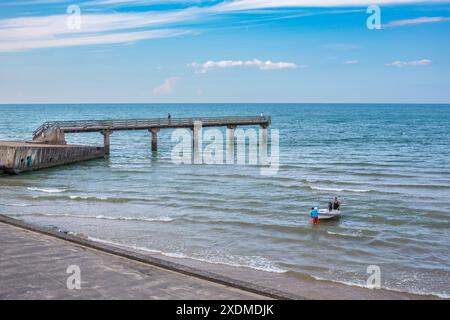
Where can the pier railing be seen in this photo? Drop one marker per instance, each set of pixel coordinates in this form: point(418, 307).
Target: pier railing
point(140, 124)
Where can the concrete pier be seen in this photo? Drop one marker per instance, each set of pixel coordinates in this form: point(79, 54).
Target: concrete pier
point(50, 136)
point(49, 147)
point(17, 157)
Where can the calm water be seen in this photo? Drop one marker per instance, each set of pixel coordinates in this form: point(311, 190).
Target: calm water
point(390, 165)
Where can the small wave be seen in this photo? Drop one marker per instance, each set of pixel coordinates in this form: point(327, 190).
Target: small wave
point(81, 198)
point(161, 219)
point(343, 234)
point(88, 198)
point(348, 283)
point(102, 217)
point(421, 293)
point(363, 285)
point(325, 181)
point(253, 262)
point(21, 205)
point(47, 190)
point(98, 198)
point(339, 190)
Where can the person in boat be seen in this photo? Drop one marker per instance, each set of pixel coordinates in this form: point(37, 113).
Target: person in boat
point(315, 215)
point(334, 205)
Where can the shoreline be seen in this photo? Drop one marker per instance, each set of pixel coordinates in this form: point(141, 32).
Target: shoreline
point(288, 285)
point(153, 261)
point(292, 283)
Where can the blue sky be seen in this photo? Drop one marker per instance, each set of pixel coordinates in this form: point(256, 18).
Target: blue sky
point(223, 51)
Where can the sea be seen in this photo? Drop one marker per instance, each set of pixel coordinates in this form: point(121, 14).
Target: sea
point(389, 164)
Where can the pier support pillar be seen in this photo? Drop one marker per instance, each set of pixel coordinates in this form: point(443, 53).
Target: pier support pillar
point(263, 145)
point(154, 132)
point(106, 141)
point(197, 142)
point(264, 135)
point(230, 145)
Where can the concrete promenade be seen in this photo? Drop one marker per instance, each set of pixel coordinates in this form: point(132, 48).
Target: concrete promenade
point(34, 265)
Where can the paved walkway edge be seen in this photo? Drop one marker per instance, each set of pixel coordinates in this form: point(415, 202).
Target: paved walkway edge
point(164, 264)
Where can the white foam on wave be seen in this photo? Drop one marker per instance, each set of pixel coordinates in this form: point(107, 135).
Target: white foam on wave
point(338, 189)
point(343, 234)
point(81, 198)
point(422, 293)
point(21, 205)
point(102, 217)
point(47, 190)
point(161, 219)
point(251, 262)
point(363, 285)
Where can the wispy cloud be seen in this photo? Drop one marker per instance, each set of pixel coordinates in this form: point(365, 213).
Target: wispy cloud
point(415, 21)
point(233, 5)
point(350, 62)
point(413, 63)
point(243, 5)
point(32, 32)
point(255, 63)
point(226, 5)
point(167, 87)
point(115, 38)
point(142, 2)
point(18, 34)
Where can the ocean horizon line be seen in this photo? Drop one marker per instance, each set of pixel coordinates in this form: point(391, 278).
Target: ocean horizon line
point(229, 103)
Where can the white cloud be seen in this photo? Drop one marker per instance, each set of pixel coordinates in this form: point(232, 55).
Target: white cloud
point(413, 63)
point(241, 5)
point(348, 62)
point(256, 63)
point(167, 87)
point(410, 22)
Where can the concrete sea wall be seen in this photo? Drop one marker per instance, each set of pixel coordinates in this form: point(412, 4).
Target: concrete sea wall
point(17, 157)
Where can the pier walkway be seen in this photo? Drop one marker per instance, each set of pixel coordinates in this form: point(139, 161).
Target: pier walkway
point(54, 131)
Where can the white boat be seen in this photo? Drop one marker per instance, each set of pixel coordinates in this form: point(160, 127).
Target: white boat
point(325, 214)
